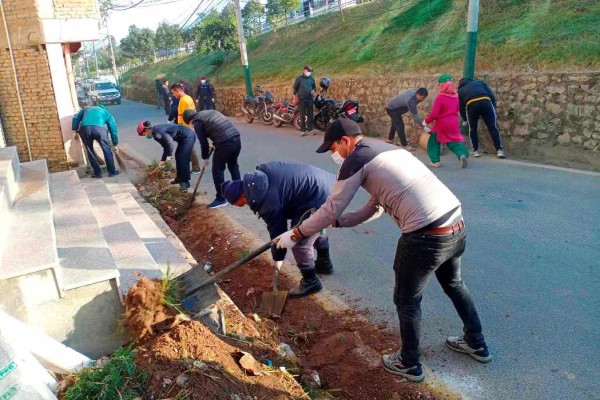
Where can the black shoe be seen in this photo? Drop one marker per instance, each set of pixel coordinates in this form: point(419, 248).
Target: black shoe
point(306, 287)
point(184, 186)
point(96, 176)
point(175, 181)
point(323, 263)
point(114, 174)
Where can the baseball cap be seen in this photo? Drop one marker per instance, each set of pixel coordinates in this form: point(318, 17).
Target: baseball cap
point(188, 115)
point(308, 68)
point(338, 129)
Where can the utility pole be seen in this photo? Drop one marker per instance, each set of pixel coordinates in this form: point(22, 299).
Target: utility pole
point(95, 56)
point(87, 67)
point(112, 54)
point(471, 51)
point(242, 40)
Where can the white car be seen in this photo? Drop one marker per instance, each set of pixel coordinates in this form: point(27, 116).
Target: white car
point(104, 93)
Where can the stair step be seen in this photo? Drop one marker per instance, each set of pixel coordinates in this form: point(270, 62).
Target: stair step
point(163, 251)
point(83, 253)
point(30, 225)
point(131, 255)
point(9, 176)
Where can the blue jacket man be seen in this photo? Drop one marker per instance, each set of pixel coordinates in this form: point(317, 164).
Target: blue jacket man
point(279, 192)
point(91, 123)
point(166, 135)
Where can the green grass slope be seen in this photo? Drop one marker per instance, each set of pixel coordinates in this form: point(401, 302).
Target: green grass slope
point(413, 36)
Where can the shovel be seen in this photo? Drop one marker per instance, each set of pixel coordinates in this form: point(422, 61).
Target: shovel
point(272, 302)
point(197, 287)
point(190, 201)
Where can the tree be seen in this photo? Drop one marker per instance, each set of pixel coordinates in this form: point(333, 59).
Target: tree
point(138, 44)
point(168, 36)
point(252, 15)
point(217, 31)
point(278, 11)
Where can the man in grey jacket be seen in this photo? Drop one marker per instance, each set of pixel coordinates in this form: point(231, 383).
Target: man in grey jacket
point(433, 235)
point(401, 104)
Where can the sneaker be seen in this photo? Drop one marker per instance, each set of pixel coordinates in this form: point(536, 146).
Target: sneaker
point(175, 181)
point(435, 165)
point(96, 176)
point(313, 133)
point(196, 170)
point(393, 364)
point(501, 154)
point(457, 343)
point(115, 173)
point(303, 133)
point(388, 141)
point(476, 154)
point(218, 203)
point(184, 186)
point(463, 162)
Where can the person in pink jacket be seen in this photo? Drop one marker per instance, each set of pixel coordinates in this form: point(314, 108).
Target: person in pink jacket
point(446, 127)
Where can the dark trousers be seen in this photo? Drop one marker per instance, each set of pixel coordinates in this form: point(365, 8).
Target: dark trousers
point(397, 125)
point(88, 135)
point(182, 157)
point(167, 104)
point(484, 109)
point(417, 258)
point(306, 114)
point(226, 155)
point(205, 104)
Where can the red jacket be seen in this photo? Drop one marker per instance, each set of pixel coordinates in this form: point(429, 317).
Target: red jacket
point(445, 115)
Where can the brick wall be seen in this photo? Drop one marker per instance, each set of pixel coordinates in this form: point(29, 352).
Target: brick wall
point(74, 8)
point(36, 90)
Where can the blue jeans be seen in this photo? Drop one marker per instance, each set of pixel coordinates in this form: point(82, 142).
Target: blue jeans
point(185, 144)
point(88, 135)
point(417, 258)
point(226, 155)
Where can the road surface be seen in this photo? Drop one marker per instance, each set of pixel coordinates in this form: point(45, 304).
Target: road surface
point(532, 264)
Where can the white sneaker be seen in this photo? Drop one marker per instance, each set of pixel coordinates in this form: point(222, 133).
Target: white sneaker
point(458, 344)
point(302, 134)
point(463, 162)
point(501, 154)
point(476, 153)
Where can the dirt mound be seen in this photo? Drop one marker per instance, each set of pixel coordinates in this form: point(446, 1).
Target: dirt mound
point(191, 361)
point(144, 307)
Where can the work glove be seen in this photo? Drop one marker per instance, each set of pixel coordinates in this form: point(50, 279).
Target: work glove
point(204, 163)
point(426, 129)
point(213, 100)
point(277, 265)
point(424, 124)
point(287, 240)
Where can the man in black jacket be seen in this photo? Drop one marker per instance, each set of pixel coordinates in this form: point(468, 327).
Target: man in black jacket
point(165, 92)
point(213, 125)
point(205, 95)
point(304, 92)
point(278, 192)
point(476, 100)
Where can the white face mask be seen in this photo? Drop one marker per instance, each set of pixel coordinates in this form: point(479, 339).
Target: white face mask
point(307, 73)
point(203, 82)
point(337, 158)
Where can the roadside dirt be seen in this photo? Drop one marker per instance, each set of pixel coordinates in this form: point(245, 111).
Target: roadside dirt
point(342, 346)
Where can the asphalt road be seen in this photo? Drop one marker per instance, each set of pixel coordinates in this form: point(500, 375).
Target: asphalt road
point(532, 264)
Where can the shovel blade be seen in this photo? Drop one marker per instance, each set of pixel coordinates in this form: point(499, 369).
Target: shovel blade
point(272, 304)
point(199, 300)
point(191, 280)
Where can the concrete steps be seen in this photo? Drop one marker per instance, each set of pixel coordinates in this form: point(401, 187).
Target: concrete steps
point(84, 255)
point(129, 252)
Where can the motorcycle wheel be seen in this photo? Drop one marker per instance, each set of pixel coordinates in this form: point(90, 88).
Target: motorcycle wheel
point(249, 118)
point(267, 116)
point(296, 122)
point(321, 122)
point(277, 123)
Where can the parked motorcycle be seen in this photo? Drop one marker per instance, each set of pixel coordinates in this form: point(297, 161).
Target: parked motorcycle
point(328, 110)
point(260, 106)
point(286, 113)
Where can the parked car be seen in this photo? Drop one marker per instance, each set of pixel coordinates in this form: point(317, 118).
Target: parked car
point(104, 92)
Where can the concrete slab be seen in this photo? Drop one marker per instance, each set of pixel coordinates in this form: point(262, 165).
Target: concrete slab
point(9, 175)
point(30, 225)
point(84, 256)
point(129, 252)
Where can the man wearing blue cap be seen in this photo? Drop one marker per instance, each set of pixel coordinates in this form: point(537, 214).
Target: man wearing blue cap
point(433, 235)
point(279, 192)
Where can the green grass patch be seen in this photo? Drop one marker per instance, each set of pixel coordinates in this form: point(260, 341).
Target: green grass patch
point(119, 378)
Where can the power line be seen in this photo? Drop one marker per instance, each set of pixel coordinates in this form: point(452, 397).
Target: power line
point(191, 15)
point(127, 8)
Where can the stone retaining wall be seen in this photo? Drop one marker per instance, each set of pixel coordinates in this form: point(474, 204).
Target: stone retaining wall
point(548, 117)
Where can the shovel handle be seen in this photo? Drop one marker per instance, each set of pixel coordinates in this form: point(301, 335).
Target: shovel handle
point(216, 277)
point(190, 201)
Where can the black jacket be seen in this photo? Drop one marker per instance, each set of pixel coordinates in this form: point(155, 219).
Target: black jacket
point(167, 135)
point(174, 109)
point(303, 87)
point(471, 89)
point(279, 191)
point(204, 92)
point(213, 125)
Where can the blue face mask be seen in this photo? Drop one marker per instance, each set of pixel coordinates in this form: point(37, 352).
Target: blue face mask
point(149, 137)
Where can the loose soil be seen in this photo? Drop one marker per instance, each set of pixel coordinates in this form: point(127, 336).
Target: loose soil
point(341, 345)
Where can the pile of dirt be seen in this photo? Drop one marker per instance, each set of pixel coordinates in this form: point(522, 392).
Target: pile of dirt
point(145, 308)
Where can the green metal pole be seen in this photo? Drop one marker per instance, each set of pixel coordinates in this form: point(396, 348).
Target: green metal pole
point(243, 53)
point(471, 51)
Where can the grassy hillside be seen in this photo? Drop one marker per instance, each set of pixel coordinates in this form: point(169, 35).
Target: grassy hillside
point(414, 36)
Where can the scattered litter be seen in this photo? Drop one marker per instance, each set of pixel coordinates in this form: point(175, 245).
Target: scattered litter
point(213, 318)
point(256, 317)
point(250, 291)
point(267, 362)
point(284, 350)
point(166, 382)
point(208, 266)
point(211, 249)
point(283, 369)
point(101, 362)
point(198, 364)
point(182, 380)
point(248, 363)
point(311, 379)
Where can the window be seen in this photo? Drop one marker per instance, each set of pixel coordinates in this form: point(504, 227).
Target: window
point(104, 86)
